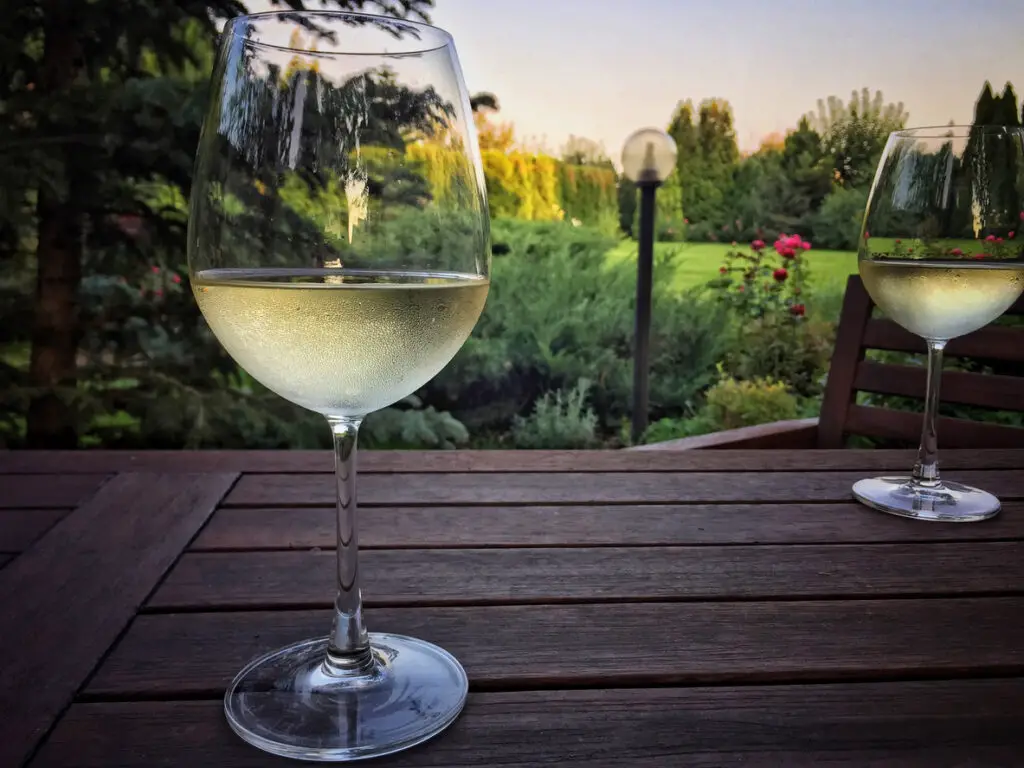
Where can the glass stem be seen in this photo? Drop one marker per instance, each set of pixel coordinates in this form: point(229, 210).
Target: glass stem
point(348, 648)
point(926, 469)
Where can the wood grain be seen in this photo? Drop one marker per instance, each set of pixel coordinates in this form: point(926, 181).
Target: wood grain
point(65, 601)
point(926, 724)
point(988, 390)
point(480, 576)
point(994, 342)
point(508, 647)
point(902, 425)
point(780, 435)
point(848, 352)
point(571, 487)
point(98, 462)
point(243, 528)
point(20, 528)
point(47, 491)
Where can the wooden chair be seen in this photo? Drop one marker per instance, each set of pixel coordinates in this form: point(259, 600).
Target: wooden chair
point(851, 373)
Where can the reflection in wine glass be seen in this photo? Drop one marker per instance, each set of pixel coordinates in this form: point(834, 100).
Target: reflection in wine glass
point(940, 256)
point(339, 248)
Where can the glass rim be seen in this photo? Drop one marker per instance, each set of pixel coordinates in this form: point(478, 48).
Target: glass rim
point(441, 38)
point(952, 131)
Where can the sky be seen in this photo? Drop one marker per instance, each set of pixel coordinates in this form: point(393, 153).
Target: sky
point(604, 68)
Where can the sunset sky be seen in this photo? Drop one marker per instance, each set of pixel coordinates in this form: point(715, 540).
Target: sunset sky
point(602, 68)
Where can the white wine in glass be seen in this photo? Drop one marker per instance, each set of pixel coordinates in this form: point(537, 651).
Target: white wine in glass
point(339, 249)
point(940, 256)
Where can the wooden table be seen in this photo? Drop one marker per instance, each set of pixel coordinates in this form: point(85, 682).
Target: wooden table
point(634, 609)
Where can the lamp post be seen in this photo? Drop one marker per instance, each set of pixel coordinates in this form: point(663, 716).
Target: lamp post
point(648, 157)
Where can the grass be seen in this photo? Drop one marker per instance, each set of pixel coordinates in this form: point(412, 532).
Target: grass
point(697, 263)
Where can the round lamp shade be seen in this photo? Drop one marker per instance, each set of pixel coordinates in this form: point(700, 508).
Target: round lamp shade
point(648, 156)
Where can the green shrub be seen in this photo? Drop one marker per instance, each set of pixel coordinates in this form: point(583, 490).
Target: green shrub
point(837, 224)
point(731, 404)
point(775, 348)
point(560, 420)
point(560, 311)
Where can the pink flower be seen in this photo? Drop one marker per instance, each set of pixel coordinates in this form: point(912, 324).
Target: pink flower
point(780, 274)
point(1011, 235)
point(957, 252)
point(757, 245)
point(805, 245)
point(155, 269)
point(794, 241)
point(176, 279)
point(1022, 215)
point(866, 234)
point(990, 239)
point(787, 253)
point(979, 256)
point(999, 240)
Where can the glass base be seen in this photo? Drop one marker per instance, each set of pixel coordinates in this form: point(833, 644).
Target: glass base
point(943, 503)
point(286, 703)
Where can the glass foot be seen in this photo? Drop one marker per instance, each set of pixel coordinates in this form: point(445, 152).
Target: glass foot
point(944, 503)
point(286, 703)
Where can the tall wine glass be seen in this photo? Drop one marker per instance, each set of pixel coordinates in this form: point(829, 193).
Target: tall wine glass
point(941, 255)
point(339, 249)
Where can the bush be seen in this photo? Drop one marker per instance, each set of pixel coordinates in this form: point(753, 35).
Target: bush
point(730, 404)
point(560, 311)
point(559, 420)
point(838, 223)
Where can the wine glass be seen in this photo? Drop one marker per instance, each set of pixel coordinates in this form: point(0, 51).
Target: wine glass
point(339, 249)
point(941, 256)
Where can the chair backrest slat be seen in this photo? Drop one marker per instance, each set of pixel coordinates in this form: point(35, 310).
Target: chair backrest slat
point(850, 373)
point(960, 433)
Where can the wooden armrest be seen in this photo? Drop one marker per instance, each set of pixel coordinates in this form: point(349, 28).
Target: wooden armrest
point(796, 433)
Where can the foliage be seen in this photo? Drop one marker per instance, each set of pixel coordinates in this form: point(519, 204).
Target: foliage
point(854, 134)
point(560, 420)
point(730, 404)
point(766, 293)
point(560, 311)
point(707, 158)
point(838, 223)
point(100, 105)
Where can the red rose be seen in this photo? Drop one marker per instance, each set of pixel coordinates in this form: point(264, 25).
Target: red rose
point(757, 245)
point(176, 279)
point(798, 310)
point(723, 270)
point(780, 274)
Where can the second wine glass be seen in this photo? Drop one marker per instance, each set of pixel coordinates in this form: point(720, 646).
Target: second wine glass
point(339, 249)
point(940, 255)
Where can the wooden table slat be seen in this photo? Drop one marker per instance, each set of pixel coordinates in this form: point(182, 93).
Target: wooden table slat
point(65, 601)
point(20, 528)
point(492, 576)
point(919, 725)
point(575, 488)
point(598, 645)
point(48, 491)
point(79, 462)
point(246, 528)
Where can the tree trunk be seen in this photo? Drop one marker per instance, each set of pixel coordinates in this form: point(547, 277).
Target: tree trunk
point(51, 419)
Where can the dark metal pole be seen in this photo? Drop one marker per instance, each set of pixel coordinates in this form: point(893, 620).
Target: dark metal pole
point(642, 334)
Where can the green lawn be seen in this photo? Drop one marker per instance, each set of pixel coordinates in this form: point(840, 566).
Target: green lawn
point(697, 263)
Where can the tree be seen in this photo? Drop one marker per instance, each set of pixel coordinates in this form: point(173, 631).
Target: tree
point(708, 157)
point(100, 104)
point(854, 134)
point(579, 150)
